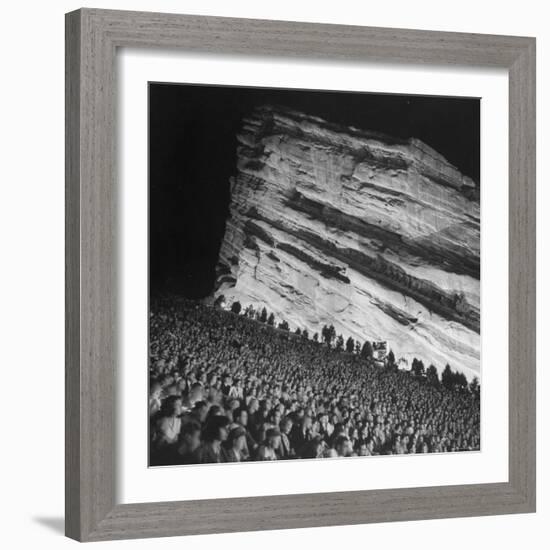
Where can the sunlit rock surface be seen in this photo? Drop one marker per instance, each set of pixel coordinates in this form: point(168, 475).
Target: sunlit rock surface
point(376, 235)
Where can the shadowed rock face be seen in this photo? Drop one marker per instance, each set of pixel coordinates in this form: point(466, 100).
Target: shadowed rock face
point(375, 235)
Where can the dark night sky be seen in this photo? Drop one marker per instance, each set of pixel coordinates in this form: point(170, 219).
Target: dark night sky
point(192, 150)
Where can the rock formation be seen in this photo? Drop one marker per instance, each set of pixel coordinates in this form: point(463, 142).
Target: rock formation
point(375, 235)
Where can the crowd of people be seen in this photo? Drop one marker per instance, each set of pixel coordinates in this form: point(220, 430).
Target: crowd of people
point(226, 388)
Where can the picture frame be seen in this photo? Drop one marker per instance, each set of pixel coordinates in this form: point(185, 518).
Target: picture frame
point(92, 39)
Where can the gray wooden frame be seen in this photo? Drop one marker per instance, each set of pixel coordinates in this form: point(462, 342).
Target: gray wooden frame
point(92, 38)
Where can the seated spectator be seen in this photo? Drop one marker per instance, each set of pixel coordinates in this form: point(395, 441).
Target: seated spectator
point(285, 449)
point(236, 446)
point(342, 446)
point(169, 422)
point(314, 449)
point(214, 434)
point(268, 450)
point(240, 419)
point(155, 402)
point(195, 394)
point(301, 434)
point(199, 412)
point(189, 441)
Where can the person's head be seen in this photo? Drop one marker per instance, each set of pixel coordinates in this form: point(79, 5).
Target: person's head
point(172, 389)
point(314, 448)
point(253, 406)
point(237, 438)
point(396, 443)
point(240, 416)
point(200, 410)
point(339, 429)
point(171, 406)
point(160, 365)
point(196, 392)
point(286, 425)
point(190, 436)
point(216, 429)
point(182, 385)
point(155, 389)
point(234, 404)
point(214, 410)
point(342, 446)
point(264, 407)
point(273, 438)
point(370, 444)
point(275, 417)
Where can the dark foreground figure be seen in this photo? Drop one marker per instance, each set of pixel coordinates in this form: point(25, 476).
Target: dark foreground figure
point(225, 388)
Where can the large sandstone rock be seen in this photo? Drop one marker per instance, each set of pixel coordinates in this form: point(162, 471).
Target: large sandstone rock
point(378, 236)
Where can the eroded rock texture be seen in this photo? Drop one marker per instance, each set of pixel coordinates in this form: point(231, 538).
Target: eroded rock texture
point(378, 236)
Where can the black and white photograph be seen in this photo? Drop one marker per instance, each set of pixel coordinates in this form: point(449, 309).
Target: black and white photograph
point(314, 274)
point(270, 275)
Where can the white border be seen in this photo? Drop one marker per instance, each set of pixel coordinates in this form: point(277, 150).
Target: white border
point(136, 482)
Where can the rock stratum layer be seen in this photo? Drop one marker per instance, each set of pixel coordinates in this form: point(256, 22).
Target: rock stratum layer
point(375, 235)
